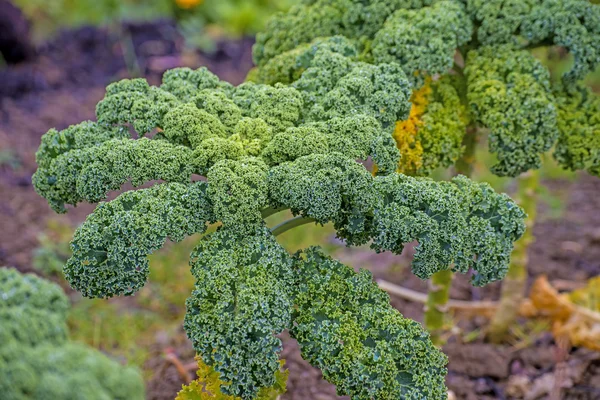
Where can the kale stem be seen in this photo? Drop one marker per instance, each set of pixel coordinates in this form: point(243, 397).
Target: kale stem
point(458, 69)
point(290, 224)
point(438, 294)
point(267, 212)
point(513, 286)
point(436, 307)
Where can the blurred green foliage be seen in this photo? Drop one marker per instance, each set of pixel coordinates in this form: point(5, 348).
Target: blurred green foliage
point(53, 250)
point(8, 157)
point(198, 20)
point(129, 327)
point(125, 327)
point(37, 359)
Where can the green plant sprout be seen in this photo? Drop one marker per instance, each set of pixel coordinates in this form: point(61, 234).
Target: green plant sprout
point(236, 155)
point(37, 360)
point(472, 73)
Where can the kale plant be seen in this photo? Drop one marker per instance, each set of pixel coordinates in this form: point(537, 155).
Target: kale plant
point(481, 50)
point(37, 360)
point(472, 72)
point(214, 153)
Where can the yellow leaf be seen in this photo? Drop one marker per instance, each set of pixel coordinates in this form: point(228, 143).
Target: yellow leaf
point(208, 385)
point(574, 315)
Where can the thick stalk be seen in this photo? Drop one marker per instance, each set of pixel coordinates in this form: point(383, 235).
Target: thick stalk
point(436, 307)
point(439, 284)
point(267, 212)
point(513, 286)
point(464, 165)
point(290, 224)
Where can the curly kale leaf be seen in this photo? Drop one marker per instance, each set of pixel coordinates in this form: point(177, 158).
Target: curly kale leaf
point(28, 326)
point(432, 135)
point(136, 103)
point(212, 150)
point(294, 143)
point(241, 301)
point(189, 126)
point(578, 145)
point(30, 291)
point(444, 125)
point(461, 224)
point(85, 134)
point(333, 84)
point(330, 54)
point(326, 68)
point(423, 41)
point(117, 105)
point(279, 106)
point(250, 137)
point(366, 18)
point(381, 91)
point(509, 92)
point(185, 83)
point(253, 134)
point(148, 107)
point(326, 187)
point(217, 103)
point(301, 24)
point(347, 328)
point(89, 173)
point(110, 248)
point(355, 19)
point(573, 24)
point(357, 137)
point(498, 21)
point(238, 190)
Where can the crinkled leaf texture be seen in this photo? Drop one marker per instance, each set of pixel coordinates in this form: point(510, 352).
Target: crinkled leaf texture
point(111, 247)
point(578, 145)
point(208, 385)
point(459, 223)
point(358, 20)
point(423, 41)
point(432, 135)
point(37, 361)
point(242, 299)
point(347, 328)
point(509, 92)
point(573, 24)
point(206, 121)
point(32, 310)
point(422, 34)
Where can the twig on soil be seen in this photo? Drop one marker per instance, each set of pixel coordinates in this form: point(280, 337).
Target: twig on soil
point(473, 306)
point(191, 366)
point(183, 370)
point(418, 297)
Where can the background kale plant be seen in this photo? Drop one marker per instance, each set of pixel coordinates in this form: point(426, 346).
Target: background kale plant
point(235, 155)
point(37, 360)
point(472, 74)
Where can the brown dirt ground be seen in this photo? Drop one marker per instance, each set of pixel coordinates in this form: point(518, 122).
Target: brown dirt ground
point(68, 78)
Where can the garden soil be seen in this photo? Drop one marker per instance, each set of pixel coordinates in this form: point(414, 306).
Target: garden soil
point(62, 85)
